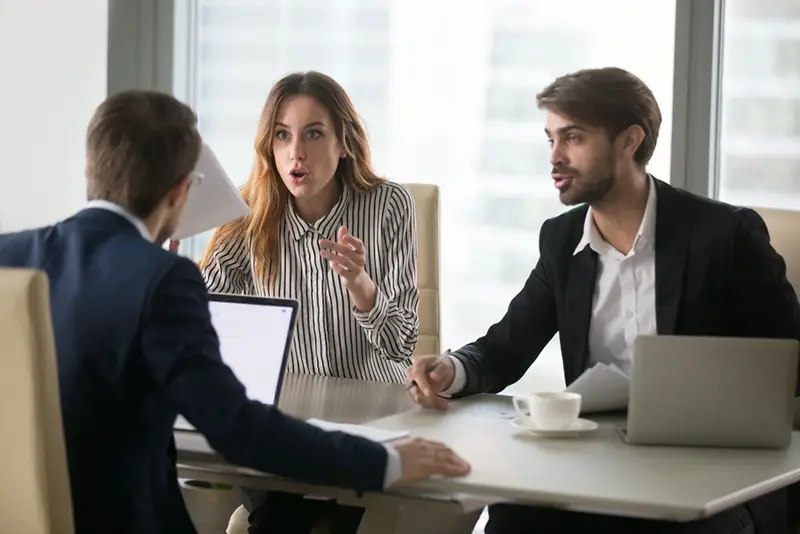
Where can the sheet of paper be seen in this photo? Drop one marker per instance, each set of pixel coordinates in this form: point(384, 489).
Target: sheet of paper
point(213, 199)
point(368, 432)
point(469, 503)
point(602, 388)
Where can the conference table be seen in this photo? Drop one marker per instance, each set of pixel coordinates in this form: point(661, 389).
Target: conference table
point(596, 472)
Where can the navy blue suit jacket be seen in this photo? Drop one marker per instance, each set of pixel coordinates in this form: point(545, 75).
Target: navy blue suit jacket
point(135, 346)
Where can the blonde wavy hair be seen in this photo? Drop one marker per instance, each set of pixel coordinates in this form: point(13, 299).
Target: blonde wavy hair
point(265, 192)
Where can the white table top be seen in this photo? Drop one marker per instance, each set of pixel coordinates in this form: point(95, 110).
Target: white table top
point(340, 399)
point(596, 473)
point(321, 397)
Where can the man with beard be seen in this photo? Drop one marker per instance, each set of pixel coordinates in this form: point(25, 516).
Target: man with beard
point(636, 257)
point(135, 344)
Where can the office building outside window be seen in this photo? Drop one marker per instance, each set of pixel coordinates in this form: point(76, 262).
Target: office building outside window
point(759, 145)
point(447, 91)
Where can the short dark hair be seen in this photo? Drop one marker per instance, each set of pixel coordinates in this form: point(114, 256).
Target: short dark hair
point(139, 145)
point(609, 98)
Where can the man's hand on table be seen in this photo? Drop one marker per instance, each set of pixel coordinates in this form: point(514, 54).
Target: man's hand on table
point(432, 376)
point(420, 459)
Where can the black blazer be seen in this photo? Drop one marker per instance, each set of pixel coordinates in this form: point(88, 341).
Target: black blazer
point(135, 347)
point(716, 275)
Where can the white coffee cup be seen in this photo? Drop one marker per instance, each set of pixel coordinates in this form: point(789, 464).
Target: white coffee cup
point(550, 410)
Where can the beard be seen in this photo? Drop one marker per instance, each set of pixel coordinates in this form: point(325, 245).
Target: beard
point(590, 186)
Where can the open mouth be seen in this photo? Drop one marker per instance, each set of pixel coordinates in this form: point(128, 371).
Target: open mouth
point(297, 174)
point(561, 181)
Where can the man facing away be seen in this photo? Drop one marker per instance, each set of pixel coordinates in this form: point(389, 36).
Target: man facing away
point(135, 345)
point(636, 257)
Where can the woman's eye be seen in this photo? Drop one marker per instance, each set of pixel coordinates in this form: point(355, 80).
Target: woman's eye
point(282, 135)
point(313, 135)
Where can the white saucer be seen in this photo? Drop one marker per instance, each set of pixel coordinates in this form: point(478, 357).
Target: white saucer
point(580, 426)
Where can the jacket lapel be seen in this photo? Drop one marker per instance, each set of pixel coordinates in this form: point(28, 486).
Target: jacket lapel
point(672, 244)
point(574, 333)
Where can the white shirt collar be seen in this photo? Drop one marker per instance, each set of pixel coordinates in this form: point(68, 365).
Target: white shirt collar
point(646, 233)
point(122, 212)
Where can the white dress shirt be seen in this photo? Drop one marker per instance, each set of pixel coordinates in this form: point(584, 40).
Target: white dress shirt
point(393, 463)
point(624, 303)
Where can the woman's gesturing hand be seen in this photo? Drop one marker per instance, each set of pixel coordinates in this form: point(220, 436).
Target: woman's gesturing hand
point(347, 258)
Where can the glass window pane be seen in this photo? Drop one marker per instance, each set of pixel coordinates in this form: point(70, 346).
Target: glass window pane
point(448, 93)
point(759, 156)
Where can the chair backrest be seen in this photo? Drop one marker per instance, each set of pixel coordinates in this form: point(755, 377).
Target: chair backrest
point(426, 200)
point(783, 226)
point(35, 488)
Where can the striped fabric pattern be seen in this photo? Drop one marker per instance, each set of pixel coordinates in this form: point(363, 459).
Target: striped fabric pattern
point(332, 338)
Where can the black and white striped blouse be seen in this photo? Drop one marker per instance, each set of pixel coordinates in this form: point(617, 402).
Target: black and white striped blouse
point(332, 338)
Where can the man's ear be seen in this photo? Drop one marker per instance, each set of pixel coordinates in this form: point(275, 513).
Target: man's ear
point(632, 139)
point(179, 191)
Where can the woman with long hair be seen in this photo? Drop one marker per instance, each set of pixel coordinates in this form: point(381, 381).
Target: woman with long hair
point(326, 230)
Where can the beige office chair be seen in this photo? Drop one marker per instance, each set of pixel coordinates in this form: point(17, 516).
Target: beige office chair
point(426, 201)
point(783, 226)
point(426, 204)
point(34, 491)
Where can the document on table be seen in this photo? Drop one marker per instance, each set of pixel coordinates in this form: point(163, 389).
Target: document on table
point(602, 388)
point(213, 199)
point(368, 432)
point(469, 503)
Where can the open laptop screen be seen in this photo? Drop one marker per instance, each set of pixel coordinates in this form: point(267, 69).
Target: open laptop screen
point(255, 336)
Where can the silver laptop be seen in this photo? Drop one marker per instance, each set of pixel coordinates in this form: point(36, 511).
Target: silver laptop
point(712, 391)
point(255, 337)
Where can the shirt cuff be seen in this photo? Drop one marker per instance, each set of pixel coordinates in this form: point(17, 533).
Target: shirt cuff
point(373, 319)
point(394, 467)
point(459, 380)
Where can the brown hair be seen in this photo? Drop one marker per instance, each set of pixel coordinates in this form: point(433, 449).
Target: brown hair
point(609, 98)
point(139, 145)
point(266, 194)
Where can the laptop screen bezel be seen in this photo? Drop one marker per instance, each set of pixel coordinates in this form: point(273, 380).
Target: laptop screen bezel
point(273, 302)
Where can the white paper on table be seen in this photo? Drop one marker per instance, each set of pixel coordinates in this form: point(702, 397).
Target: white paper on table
point(375, 434)
point(472, 503)
point(213, 199)
point(469, 503)
point(602, 388)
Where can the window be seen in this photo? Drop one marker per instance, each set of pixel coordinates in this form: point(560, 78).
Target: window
point(504, 103)
point(453, 107)
point(759, 142)
point(512, 153)
point(759, 10)
point(531, 46)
